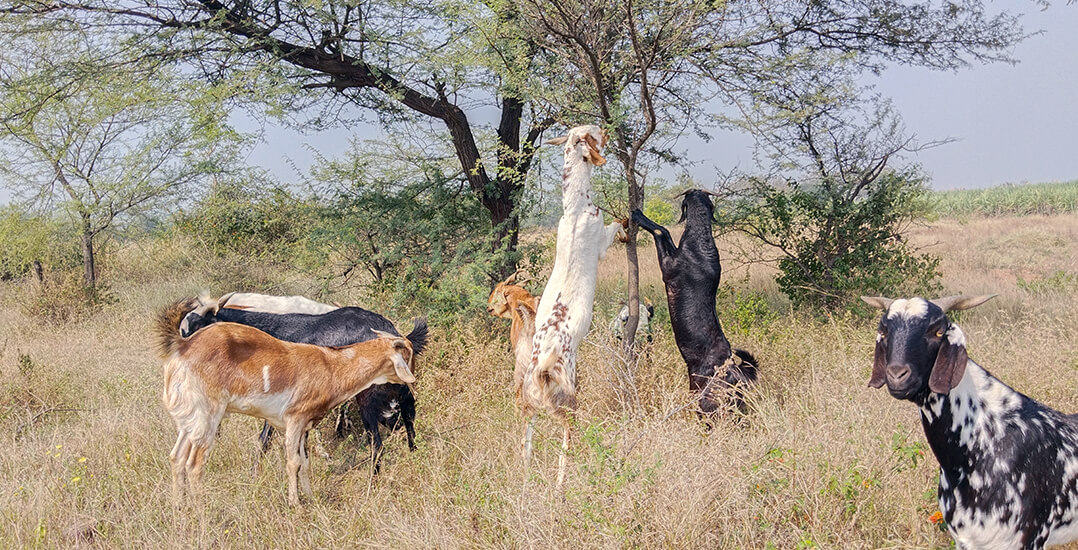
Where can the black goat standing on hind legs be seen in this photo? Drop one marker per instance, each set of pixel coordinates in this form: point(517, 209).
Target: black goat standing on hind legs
point(691, 273)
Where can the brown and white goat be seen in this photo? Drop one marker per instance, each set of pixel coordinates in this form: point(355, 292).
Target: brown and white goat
point(565, 309)
point(228, 367)
point(510, 301)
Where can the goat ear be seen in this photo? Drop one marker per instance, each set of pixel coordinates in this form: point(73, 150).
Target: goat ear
point(879, 365)
point(950, 363)
point(383, 334)
point(557, 140)
point(400, 366)
point(594, 155)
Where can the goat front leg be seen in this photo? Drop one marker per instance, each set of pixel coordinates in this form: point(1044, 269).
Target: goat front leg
point(293, 439)
point(611, 232)
point(663, 242)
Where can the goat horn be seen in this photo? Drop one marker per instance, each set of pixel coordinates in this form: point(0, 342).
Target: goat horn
point(961, 302)
point(878, 302)
point(224, 300)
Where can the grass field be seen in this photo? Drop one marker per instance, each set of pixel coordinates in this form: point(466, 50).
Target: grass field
point(821, 461)
point(1009, 200)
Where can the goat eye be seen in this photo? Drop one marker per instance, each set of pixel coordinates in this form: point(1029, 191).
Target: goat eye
point(939, 334)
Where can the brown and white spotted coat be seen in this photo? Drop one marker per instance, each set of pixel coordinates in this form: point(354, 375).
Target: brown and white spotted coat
point(565, 309)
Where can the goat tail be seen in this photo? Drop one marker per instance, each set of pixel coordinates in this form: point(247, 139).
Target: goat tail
point(167, 325)
point(745, 368)
point(551, 385)
point(418, 336)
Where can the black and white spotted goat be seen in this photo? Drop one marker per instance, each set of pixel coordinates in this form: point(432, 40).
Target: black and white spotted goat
point(1008, 464)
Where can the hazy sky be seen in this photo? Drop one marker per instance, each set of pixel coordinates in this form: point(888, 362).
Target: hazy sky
point(1012, 123)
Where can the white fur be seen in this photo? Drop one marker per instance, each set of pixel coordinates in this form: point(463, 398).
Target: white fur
point(277, 304)
point(908, 308)
point(582, 242)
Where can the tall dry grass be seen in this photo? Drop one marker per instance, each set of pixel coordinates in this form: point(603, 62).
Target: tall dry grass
point(821, 461)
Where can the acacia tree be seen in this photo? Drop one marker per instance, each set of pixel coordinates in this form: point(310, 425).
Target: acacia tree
point(833, 214)
point(105, 145)
point(408, 63)
point(655, 70)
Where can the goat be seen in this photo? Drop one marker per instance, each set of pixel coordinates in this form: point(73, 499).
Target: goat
point(510, 301)
point(228, 367)
point(563, 316)
point(691, 272)
point(392, 405)
point(1008, 464)
point(643, 329)
point(203, 314)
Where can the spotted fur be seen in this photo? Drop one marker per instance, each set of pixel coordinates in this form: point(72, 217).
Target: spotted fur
point(1008, 464)
point(563, 316)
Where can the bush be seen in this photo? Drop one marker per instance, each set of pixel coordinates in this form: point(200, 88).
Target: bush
point(245, 218)
point(25, 238)
point(834, 250)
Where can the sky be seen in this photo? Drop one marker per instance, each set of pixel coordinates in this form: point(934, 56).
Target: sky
point(1010, 123)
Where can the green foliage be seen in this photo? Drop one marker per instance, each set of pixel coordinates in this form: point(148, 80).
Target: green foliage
point(837, 224)
point(834, 250)
point(659, 211)
point(413, 235)
point(749, 311)
point(1008, 200)
point(242, 217)
point(1060, 281)
point(25, 238)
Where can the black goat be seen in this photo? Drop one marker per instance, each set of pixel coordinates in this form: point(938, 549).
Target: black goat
point(691, 272)
point(390, 404)
point(1008, 464)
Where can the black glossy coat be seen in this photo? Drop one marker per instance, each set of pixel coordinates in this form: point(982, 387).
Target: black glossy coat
point(691, 272)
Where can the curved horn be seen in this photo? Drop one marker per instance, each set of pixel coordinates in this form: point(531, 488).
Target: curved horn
point(961, 301)
point(878, 302)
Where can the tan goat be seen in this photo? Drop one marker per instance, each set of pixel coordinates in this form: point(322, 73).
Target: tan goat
point(512, 302)
point(228, 367)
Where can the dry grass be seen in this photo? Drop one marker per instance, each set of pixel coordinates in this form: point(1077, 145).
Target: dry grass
point(822, 460)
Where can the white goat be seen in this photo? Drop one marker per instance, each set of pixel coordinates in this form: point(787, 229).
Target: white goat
point(563, 316)
point(228, 367)
point(275, 304)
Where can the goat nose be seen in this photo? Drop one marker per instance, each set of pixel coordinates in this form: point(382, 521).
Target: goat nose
point(898, 373)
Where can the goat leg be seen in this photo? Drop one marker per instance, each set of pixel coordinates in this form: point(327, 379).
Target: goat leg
point(563, 457)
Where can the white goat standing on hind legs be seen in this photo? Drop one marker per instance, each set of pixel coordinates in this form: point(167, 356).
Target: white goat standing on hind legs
point(564, 314)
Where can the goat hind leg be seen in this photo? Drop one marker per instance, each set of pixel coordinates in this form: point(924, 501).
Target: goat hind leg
point(305, 467)
point(178, 461)
point(526, 441)
point(563, 457)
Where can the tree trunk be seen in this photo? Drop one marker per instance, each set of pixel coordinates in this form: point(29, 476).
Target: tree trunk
point(89, 271)
point(632, 259)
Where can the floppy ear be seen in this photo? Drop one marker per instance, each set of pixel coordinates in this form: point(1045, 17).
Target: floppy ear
point(879, 365)
point(950, 362)
point(400, 366)
point(557, 140)
point(594, 155)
